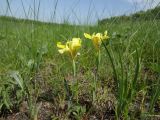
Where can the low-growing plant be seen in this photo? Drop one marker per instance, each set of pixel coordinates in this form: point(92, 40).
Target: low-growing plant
point(97, 41)
point(125, 83)
point(156, 90)
point(71, 47)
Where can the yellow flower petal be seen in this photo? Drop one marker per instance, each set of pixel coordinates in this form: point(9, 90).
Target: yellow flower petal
point(97, 38)
point(71, 47)
point(66, 49)
point(59, 45)
point(61, 51)
point(97, 42)
point(106, 32)
point(76, 43)
point(86, 35)
point(105, 37)
point(98, 35)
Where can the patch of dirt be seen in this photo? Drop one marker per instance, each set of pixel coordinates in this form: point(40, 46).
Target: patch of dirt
point(45, 112)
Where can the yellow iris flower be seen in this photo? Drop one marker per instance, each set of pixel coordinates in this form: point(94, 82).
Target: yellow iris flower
point(70, 46)
point(97, 38)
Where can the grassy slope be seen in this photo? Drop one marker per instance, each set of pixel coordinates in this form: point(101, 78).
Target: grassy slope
point(21, 39)
point(150, 14)
point(20, 43)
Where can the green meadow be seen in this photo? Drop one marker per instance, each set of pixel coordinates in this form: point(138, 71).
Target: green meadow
point(37, 82)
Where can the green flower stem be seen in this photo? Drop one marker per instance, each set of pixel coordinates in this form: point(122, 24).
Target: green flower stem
point(98, 59)
point(74, 75)
point(74, 68)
